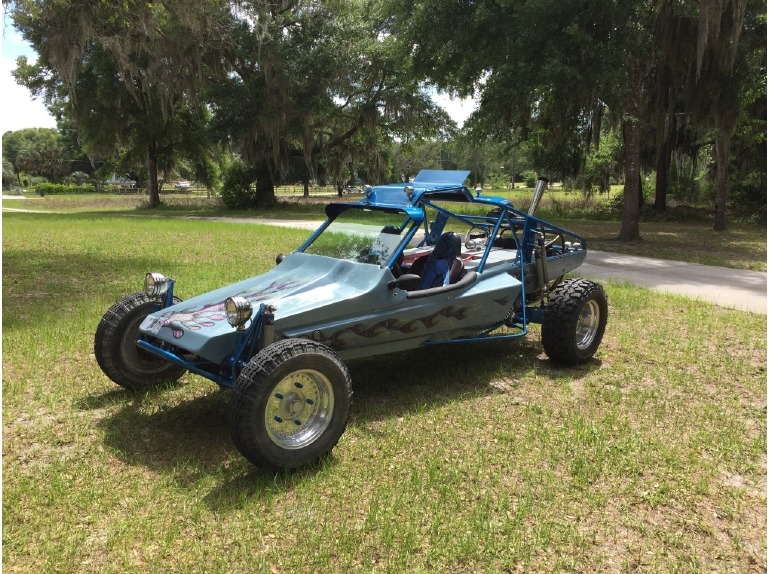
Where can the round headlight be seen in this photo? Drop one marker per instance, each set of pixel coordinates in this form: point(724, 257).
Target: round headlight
point(238, 311)
point(155, 285)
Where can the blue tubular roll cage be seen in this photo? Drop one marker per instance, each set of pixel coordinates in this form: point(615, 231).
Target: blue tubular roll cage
point(526, 244)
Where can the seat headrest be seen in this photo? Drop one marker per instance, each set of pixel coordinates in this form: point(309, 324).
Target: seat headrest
point(448, 246)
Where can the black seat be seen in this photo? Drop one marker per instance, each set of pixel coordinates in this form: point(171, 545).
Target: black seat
point(443, 266)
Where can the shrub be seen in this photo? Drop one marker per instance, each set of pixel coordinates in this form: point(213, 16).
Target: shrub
point(47, 188)
point(241, 188)
point(750, 192)
point(238, 190)
point(530, 178)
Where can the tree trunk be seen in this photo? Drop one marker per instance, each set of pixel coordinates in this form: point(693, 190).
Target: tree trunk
point(305, 188)
point(152, 177)
point(513, 168)
point(632, 134)
point(264, 186)
point(596, 125)
point(663, 107)
point(722, 147)
point(662, 166)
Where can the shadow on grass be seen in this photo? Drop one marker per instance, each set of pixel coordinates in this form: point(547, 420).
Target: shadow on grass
point(190, 441)
point(150, 432)
point(394, 385)
point(41, 282)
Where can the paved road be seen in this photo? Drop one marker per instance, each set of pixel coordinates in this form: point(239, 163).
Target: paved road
point(733, 288)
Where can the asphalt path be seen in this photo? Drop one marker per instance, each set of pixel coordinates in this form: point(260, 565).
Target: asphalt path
point(733, 288)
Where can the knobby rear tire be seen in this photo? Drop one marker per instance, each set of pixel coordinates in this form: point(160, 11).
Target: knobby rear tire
point(574, 322)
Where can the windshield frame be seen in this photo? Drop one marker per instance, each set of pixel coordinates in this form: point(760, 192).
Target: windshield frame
point(410, 220)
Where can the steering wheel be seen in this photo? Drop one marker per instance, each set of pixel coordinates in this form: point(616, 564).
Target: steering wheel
point(476, 237)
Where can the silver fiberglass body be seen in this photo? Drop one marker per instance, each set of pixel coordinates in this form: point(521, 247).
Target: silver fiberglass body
point(353, 285)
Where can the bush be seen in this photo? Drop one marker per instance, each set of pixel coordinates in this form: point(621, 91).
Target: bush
point(47, 188)
point(238, 190)
point(687, 190)
point(498, 181)
point(530, 178)
point(241, 188)
point(750, 192)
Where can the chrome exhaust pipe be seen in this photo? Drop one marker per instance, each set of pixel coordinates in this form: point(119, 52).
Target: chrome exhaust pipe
point(539, 190)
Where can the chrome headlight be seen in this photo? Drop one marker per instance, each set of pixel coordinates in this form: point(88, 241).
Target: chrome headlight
point(238, 311)
point(155, 285)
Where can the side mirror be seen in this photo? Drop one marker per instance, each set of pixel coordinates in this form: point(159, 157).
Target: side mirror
point(279, 258)
point(407, 282)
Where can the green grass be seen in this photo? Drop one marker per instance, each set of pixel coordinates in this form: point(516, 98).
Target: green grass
point(471, 458)
point(742, 246)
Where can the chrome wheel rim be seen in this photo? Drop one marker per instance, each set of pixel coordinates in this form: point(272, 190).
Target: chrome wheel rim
point(587, 325)
point(299, 409)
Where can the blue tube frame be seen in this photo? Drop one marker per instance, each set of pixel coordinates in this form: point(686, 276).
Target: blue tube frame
point(245, 349)
point(525, 246)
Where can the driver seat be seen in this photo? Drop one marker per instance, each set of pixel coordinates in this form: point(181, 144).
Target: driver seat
point(443, 266)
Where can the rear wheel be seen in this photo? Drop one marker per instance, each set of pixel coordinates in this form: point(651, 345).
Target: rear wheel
point(290, 405)
point(117, 353)
point(574, 321)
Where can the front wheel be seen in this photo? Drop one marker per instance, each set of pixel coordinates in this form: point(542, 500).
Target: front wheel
point(574, 321)
point(117, 353)
point(290, 405)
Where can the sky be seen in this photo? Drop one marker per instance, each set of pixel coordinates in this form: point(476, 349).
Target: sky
point(19, 110)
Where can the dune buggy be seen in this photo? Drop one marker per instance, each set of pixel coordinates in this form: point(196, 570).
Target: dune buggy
point(423, 263)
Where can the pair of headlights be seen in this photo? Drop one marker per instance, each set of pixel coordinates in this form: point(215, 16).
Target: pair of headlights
point(237, 309)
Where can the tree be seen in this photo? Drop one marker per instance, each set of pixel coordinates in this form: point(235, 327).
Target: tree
point(282, 78)
point(542, 78)
point(37, 151)
point(9, 174)
point(549, 79)
point(720, 24)
point(127, 72)
point(602, 164)
point(321, 81)
point(410, 157)
point(718, 50)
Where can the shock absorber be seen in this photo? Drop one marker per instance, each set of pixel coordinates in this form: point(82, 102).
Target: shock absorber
point(541, 268)
point(268, 326)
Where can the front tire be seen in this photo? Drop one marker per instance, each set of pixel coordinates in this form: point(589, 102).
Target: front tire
point(574, 321)
point(290, 405)
point(117, 354)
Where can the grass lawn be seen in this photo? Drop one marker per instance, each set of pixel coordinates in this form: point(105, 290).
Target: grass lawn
point(742, 246)
point(471, 458)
